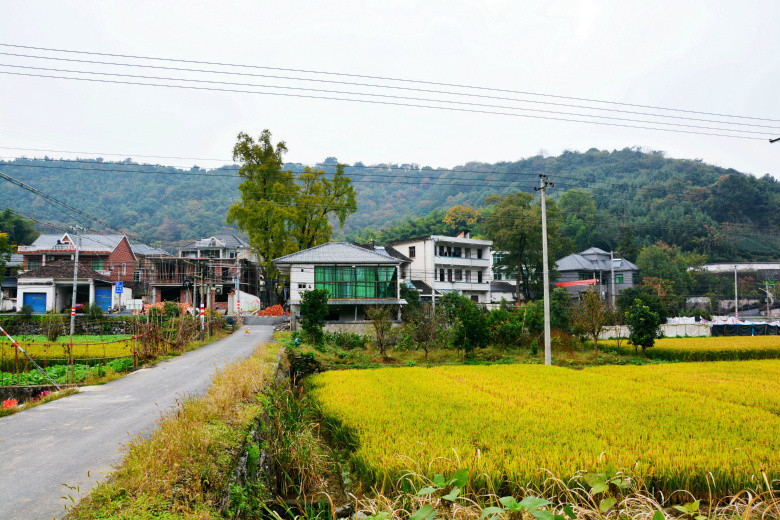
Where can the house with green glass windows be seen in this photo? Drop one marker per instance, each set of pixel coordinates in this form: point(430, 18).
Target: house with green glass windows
point(356, 277)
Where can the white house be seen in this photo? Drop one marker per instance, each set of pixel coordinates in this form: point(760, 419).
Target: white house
point(356, 277)
point(50, 287)
point(462, 264)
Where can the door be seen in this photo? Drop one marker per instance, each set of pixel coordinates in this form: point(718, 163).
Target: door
point(35, 300)
point(103, 297)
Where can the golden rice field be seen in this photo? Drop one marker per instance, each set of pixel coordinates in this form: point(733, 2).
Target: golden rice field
point(675, 423)
point(720, 348)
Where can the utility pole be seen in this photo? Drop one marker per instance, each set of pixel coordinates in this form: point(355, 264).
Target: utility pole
point(75, 284)
point(612, 268)
point(238, 289)
point(736, 300)
point(543, 185)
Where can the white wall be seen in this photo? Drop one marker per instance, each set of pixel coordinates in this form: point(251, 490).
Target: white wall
point(300, 274)
point(30, 288)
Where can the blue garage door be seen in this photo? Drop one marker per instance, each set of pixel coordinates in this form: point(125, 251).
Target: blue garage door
point(35, 300)
point(103, 297)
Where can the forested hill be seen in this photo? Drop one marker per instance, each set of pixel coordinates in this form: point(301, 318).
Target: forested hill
point(690, 203)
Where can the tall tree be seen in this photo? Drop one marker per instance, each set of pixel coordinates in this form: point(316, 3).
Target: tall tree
point(282, 213)
point(316, 200)
point(461, 217)
point(267, 193)
point(514, 223)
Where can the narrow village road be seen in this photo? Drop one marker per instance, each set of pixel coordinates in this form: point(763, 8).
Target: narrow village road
point(75, 441)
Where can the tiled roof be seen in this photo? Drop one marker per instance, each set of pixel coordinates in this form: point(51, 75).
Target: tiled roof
point(88, 241)
point(423, 287)
point(16, 260)
point(227, 240)
point(337, 253)
point(596, 260)
point(144, 250)
point(499, 286)
point(386, 250)
point(64, 269)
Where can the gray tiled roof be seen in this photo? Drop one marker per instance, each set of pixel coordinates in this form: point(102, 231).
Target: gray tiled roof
point(64, 269)
point(499, 286)
point(337, 253)
point(593, 259)
point(143, 249)
point(230, 240)
point(88, 240)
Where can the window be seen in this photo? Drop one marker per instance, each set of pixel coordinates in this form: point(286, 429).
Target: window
point(458, 275)
point(456, 252)
point(496, 275)
point(441, 251)
point(467, 253)
point(619, 278)
point(301, 286)
point(411, 251)
point(356, 282)
point(468, 276)
point(479, 276)
point(449, 275)
point(124, 269)
point(403, 272)
point(479, 253)
point(33, 263)
point(441, 275)
point(98, 264)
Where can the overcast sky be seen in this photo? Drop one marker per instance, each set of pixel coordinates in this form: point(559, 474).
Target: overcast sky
point(707, 56)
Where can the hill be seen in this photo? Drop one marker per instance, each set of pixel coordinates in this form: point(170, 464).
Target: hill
point(722, 212)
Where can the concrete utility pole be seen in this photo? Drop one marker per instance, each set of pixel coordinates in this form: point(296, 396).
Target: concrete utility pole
point(736, 300)
point(75, 284)
point(543, 185)
point(612, 268)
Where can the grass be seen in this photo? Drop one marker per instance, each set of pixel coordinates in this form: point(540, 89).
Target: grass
point(53, 396)
point(83, 347)
point(720, 348)
point(702, 427)
point(182, 469)
point(334, 357)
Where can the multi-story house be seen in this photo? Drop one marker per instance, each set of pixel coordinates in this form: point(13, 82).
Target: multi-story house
point(356, 277)
point(462, 264)
point(593, 268)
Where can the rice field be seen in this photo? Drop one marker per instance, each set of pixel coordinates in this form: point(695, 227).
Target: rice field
point(675, 424)
point(719, 348)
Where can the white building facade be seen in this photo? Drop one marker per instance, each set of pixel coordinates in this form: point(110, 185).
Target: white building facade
point(461, 264)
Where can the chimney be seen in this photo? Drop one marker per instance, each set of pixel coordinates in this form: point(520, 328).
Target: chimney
point(464, 234)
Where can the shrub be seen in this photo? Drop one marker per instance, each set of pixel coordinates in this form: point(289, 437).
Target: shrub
point(94, 311)
point(347, 340)
point(314, 308)
point(26, 311)
point(53, 325)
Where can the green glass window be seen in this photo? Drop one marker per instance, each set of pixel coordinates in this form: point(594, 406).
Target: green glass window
point(619, 278)
point(347, 282)
point(97, 264)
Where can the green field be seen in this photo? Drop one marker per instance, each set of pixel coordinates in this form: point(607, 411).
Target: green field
point(675, 424)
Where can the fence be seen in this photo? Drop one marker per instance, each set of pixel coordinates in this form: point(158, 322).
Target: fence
point(670, 331)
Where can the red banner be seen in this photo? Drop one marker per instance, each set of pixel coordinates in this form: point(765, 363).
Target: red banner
point(592, 281)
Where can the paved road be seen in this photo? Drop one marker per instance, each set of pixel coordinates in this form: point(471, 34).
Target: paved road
point(74, 441)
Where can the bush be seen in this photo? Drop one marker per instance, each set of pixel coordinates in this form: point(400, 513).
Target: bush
point(53, 325)
point(26, 311)
point(314, 308)
point(94, 311)
point(347, 340)
point(505, 326)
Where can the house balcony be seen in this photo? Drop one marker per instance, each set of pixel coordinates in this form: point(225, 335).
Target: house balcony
point(462, 286)
point(455, 261)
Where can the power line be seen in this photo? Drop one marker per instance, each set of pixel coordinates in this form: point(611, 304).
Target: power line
point(386, 78)
point(382, 96)
point(371, 85)
point(387, 103)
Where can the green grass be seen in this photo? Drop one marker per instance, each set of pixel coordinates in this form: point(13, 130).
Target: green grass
point(718, 348)
point(77, 338)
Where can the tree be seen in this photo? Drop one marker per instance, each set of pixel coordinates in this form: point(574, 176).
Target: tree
point(5, 252)
point(316, 200)
point(282, 213)
point(560, 308)
point(314, 309)
point(643, 325)
point(19, 230)
point(426, 326)
point(469, 322)
point(380, 319)
point(590, 316)
point(461, 217)
point(514, 223)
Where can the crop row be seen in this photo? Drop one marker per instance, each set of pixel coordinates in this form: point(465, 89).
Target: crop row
point(707, 349)
point(675, 424)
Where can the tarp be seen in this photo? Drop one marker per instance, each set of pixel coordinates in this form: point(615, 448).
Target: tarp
point(753, 329)
point(575, 283)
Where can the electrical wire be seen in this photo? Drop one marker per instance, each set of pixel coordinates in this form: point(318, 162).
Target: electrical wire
point(389, 103)
point(383, 78)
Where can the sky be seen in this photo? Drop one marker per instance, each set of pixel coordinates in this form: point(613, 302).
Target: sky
point(712, 56)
